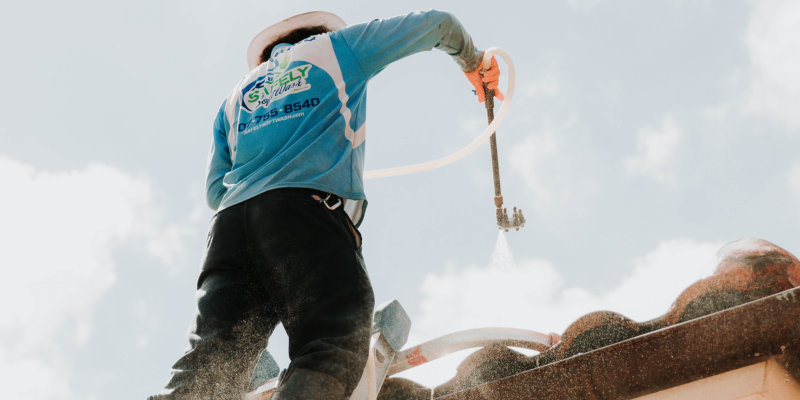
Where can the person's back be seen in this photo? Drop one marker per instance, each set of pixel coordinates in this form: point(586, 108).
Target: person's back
point(296, 120)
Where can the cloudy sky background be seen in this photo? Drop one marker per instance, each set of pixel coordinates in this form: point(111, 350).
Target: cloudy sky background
point(643, 136)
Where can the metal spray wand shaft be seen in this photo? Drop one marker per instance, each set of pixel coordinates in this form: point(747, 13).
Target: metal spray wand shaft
point(498, 197)
point(518, 220)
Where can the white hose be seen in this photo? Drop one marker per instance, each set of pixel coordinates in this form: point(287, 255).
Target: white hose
point(480, 337)
point(484, 136)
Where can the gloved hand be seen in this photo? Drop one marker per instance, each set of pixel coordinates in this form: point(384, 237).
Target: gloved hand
point(491, 77)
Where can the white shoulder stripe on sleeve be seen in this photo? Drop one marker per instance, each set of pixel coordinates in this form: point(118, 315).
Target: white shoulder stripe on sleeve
point(231, 112)
point(320, 53)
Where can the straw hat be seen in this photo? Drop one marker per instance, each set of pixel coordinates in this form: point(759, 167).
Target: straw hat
point(280, 29)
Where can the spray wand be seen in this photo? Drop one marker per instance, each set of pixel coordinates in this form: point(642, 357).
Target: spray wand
point(517, 219)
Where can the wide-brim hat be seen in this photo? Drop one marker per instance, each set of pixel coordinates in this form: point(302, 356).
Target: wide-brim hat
point(273, 32)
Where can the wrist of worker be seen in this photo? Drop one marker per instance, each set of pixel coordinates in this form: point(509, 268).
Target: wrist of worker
point(471, 63)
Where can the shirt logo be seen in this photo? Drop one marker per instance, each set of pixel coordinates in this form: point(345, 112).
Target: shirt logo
point(279, 81)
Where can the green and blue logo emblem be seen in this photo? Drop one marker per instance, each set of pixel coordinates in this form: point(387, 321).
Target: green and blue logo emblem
point(280, 81)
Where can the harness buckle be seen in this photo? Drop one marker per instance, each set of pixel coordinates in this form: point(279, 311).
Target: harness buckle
point(325, 201)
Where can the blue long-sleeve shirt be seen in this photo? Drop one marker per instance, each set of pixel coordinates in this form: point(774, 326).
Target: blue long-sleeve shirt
point(298, 119)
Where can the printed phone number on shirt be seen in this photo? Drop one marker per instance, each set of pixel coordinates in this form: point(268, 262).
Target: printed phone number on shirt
point(272, 113)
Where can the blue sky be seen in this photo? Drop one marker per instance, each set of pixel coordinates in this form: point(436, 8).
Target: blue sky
point(642, 137)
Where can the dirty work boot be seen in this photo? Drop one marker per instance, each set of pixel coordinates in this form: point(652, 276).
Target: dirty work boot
point(305, 384)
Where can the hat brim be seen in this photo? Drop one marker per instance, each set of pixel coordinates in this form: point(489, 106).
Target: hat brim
point(276, 31)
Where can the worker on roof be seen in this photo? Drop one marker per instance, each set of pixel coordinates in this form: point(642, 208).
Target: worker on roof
point(285, 178)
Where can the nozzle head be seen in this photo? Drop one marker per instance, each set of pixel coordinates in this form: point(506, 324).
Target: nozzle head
point(517, 219)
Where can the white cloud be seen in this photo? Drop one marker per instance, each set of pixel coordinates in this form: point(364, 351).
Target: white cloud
point(655, 149)
point(56, 239)
point(167, 244)
point(660, 276)
point(793, 179)
point(531, 294)
point(31, 378)
point(773, 37)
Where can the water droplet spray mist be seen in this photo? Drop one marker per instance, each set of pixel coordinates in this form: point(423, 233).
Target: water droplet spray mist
point(501, 256)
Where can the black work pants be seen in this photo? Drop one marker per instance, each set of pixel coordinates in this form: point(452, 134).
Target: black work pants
point(282, 257)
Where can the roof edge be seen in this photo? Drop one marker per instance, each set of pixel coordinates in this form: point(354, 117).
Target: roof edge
point(665, 358)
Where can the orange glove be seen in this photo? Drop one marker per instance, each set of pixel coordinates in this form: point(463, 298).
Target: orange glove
point(491, 77)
